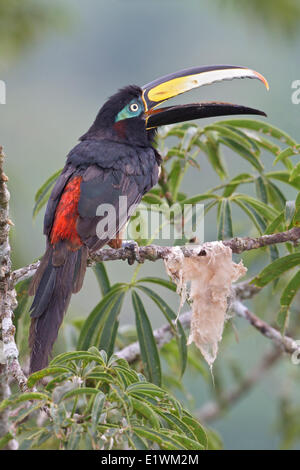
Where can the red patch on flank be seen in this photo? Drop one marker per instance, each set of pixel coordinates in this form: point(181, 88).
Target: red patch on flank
point(66, 215)
point(120, 128)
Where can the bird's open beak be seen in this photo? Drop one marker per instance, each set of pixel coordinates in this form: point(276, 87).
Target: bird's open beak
point(164, 88)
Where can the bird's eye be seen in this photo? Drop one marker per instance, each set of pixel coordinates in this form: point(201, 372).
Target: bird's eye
point(134, 107)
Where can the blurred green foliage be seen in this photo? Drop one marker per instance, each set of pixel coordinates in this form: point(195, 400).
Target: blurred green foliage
point(93, 402)
point(281, 17)
point(24, 23)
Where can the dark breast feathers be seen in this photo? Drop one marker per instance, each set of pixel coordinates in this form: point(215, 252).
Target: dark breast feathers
point(99, 173)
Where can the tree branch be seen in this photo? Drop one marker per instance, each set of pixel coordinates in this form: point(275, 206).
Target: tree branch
point(7, 294)
point(5, 266)
point(238, 245)
point(8, 280)
point(9, 364)
point(162, 336)
point(156, 252)
point(242, 290)
point(286, 343)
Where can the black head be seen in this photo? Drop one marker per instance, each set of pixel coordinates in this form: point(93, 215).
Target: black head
point(122, 118)
point(131, 115)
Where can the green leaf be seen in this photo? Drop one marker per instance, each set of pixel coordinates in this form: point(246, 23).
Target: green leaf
point(109, 330)
point(23, 299)
point(235, 182)
point(260, 126)
point(289, 212)
point(102, 278)
point(188, 443)
point(36, 376)
point(287, 298)
point(174, 152)
point(275, 269)
point(4, 440)
point(57, 380)
point(275, 225)
point(177, 424)
point(145, 389)
point(199, 198)
point(282, 319)
point(150, 198)
point(209, 206)
point(295, 172)
point(188, 125)
point(181, 196)
point(26, 444)
point(174, 179)
point(244, 152)
point(43, 193)
point(264, 210)
point(123, 379)
point(197, 429)
point(252, 140)
point(101, 353)
point(159, 281)
point(191, 134)
point(43, 437)
point(212, 150)
point(165, 442)
point(261, 189)
point(97, 409)
point(74, 437)
point(145, 410)
point(31, 439)
point(265, 143)
point(79, 391)
point(176, 131)
point(89, 335)
point(77, 356)
point(171, 316)
point(284, 176)
point(192, 162)
point(288, 152)
point(149, 352)
point(296, 218)
point(27, 396)
point(126, 375)
point(26, 411)
point(232, 133)
point(214, 440)
point(253, 215)
point(137, 442)
point(101, 376)
point(225, 220)
point(115, 361)
point(276, 197)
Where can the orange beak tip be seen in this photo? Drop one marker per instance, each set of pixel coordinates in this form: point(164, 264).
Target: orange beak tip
point(262, 79)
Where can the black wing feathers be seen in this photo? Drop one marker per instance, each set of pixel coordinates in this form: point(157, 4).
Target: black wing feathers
point(109, 170)
point(130, 173)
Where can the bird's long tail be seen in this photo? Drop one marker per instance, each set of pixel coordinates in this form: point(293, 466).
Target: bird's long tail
point(60, 274)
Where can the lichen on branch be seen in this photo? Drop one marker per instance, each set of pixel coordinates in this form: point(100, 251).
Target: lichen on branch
point(210, 279)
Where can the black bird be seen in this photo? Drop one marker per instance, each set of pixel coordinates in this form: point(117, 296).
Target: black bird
point(114, 161)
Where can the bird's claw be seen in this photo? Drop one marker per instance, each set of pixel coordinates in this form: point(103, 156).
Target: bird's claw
point(133, 247)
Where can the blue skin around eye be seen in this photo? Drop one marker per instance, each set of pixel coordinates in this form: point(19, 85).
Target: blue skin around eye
point(125, 113)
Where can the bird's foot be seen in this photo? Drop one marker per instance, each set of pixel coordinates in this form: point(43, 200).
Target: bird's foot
point(133, 247)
